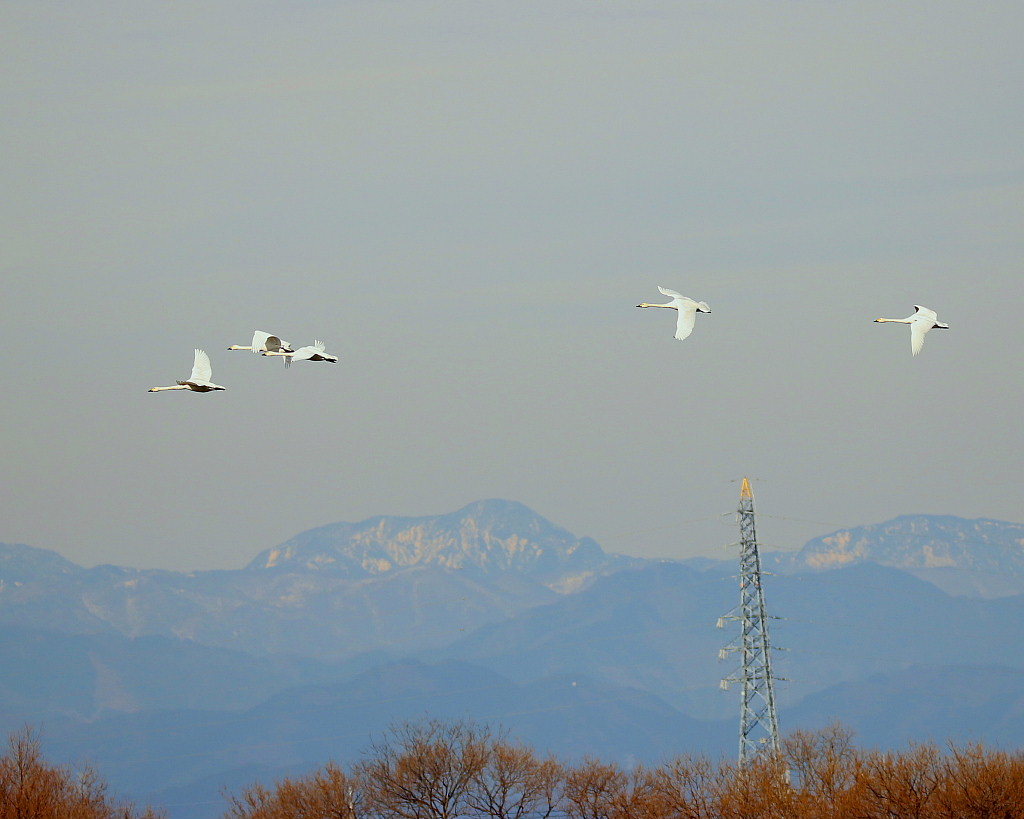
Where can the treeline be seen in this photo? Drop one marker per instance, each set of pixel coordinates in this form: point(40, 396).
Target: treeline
point(443, 771)
point(448, 770)
point(30, 788)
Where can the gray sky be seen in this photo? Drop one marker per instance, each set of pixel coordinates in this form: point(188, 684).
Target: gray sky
point(466, 200)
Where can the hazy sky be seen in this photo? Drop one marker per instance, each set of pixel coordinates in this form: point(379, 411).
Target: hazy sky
point(466, 200)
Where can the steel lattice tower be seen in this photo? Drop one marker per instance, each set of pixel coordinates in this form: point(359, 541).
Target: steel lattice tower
point(759, 721)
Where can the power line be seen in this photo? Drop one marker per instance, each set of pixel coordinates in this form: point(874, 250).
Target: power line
point(830, 524)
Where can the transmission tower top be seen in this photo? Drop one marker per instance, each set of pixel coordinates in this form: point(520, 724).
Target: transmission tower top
point(759, 721)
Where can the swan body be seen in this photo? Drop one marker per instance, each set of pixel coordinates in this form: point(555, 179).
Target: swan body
point(920, 323)
point(199, 380)
point(311, 352)
point(686, 307)
point(265, 342)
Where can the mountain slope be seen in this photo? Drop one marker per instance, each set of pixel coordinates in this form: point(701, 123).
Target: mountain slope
point(44, 675)
point(922, 703)
point(490, 537)
point(654, 629)
point(179, 754)
point(620, 664)
point(391, 584)
point(978, 557)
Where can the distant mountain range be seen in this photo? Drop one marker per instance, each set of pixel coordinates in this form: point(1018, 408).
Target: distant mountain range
point(653, 628)
point(84, 676)
point(496, 614)
point(305, 726)
point(491, 538)
point(981, 557)
point(392, 584)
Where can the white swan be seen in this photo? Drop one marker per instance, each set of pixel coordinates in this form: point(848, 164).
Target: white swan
point(264, 342)
point(311, 352)
point(199, 381)
point(688, 309)
point(920, 323)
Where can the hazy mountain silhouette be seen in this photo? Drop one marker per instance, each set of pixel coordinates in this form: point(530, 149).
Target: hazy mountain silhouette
point(923, 703)
point(186, 758)
point(978, 557)
point(166, 757)
point(392, 584)
point(298, 657)
point(654, 628)
point(45, 675)
point(488, 537)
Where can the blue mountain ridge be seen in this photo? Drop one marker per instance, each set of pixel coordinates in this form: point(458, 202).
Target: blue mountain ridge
point(979, 557)
point(490, 613)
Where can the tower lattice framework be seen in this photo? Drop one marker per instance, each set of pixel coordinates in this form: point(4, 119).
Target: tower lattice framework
point(759, 720)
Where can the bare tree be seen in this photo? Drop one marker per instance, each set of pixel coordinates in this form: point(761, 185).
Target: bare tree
point(976, 783)
point(685, 788)
point(32, 789)
point(423, 771)
point(758, 790)
point(446, 771)
point(593, 789)
point(900, 785)
point(327, 794)
point(824, 765)
point(514, 784)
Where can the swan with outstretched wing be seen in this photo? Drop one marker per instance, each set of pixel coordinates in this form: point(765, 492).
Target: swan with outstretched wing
point(920, 323)
point(265, 342)
point(199, 380)
point(686, 307)
point(311, 352)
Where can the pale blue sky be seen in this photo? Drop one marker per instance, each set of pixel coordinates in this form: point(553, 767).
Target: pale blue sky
point(465, 200)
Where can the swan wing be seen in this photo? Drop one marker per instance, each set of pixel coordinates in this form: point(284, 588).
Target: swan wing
point(302, 354)
point(259, 341)
point(918, 327)
point(925, 313)
point(274, 344)
point(201, 368)
point(318, 345)
point(671, 293)
point(686, 319)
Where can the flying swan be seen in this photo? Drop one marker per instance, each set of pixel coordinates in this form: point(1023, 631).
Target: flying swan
point(920, 323)
point(311, 352)
point(199, 381)
point(688, 309)
point(265, 342)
